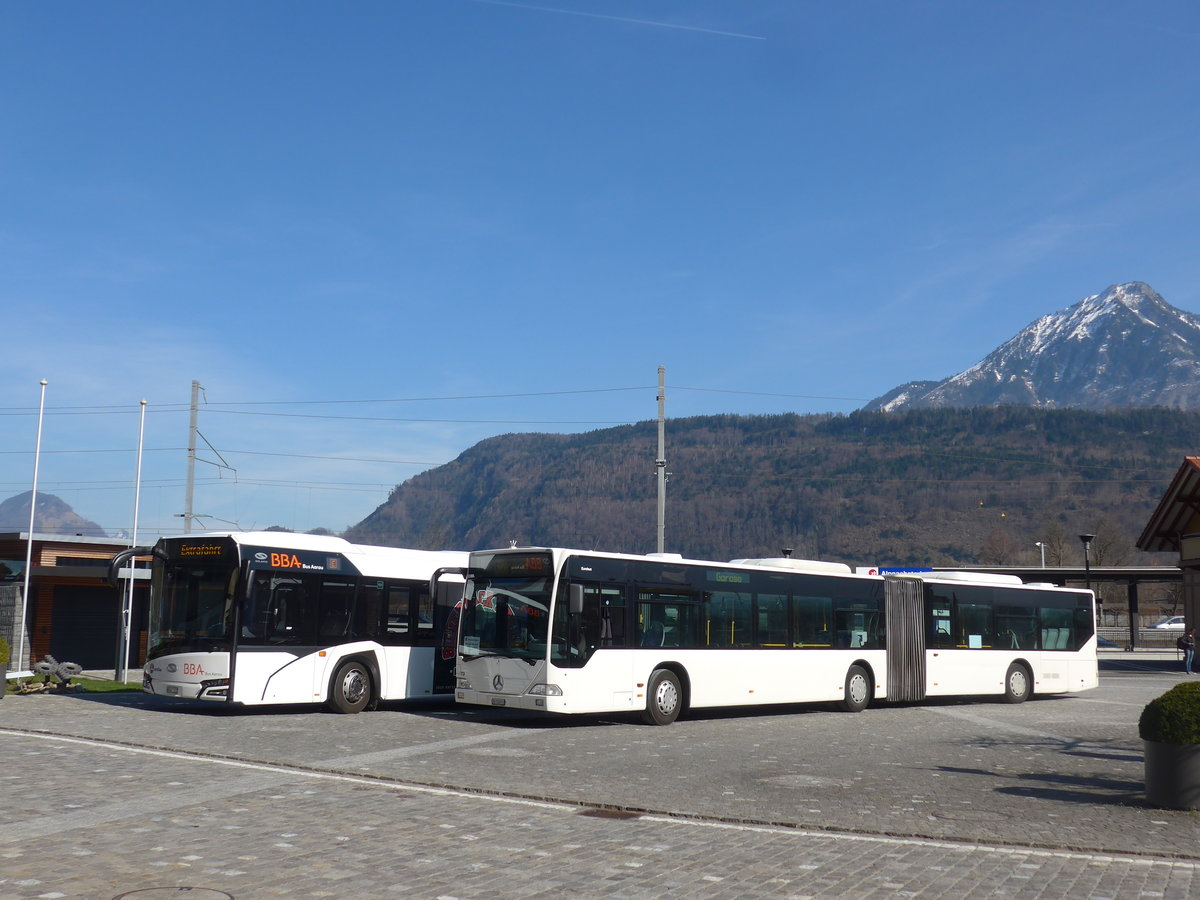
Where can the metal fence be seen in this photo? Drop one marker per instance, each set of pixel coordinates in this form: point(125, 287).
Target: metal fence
point(1157, 638)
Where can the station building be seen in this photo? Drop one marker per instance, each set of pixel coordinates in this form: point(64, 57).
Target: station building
point(73, 613)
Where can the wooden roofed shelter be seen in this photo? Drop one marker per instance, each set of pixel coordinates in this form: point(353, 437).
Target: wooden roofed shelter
point(1175, 528)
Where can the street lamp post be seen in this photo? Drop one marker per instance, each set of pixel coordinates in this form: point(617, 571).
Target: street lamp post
point(1087, 539)
point(1041, 546)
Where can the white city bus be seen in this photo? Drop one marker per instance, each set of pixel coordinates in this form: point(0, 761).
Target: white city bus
point(273, 617)
point(569, 631)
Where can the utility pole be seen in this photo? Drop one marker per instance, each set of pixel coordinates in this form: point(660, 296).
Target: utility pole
point(661, 462)
point(122, 672)
point(191, 460)
point(37, 456)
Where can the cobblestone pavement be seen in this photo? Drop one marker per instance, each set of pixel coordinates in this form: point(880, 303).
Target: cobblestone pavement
point(123, 795)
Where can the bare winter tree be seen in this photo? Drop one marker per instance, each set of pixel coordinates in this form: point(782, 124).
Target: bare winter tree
point(1000, 549)
point(1054, 538)
point(1110, 547)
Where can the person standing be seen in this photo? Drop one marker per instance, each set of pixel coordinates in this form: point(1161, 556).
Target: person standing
point(1187, 643)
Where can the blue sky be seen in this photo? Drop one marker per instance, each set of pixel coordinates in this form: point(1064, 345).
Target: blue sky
point(389, 207)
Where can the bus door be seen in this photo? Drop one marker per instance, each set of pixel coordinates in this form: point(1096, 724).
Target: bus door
point(945, 672)
point(589, 621)
point(904, 600)
point(443, 622)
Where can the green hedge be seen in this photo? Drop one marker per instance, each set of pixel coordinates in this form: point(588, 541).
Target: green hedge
point(4, 652)
point(1173, 718)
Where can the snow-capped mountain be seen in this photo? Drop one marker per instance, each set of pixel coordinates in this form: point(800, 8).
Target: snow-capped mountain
point(1125, 347)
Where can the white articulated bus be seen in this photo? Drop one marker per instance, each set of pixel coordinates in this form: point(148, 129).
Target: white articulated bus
point(271, 617)
point(570, 631)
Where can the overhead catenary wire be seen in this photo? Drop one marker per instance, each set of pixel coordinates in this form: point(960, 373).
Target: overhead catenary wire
point(245, 412)
point(183, 407)
point(212, 405)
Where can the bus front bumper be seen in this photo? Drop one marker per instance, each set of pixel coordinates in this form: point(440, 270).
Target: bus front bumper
point(212, 689)
point(503, 701)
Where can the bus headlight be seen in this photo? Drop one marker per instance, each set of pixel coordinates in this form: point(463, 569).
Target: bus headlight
point(464, 684)
point(546, 690)
point(216, 687)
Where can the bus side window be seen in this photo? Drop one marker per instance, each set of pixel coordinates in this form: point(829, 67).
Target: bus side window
point(729, 621)
point(1057, 628)
point(975, 620)
point(278, 610)
point(941, 626)
point(335, 609)
point(670, 615)
point(1016, 627)
point(424, 618)
point(398, 614)
point(814, 621)
point(858, 628)
point(368, 611)
point(601, 624)
point(291, 615)
point(1085, 626)
point(772, 620)
point(254, 612)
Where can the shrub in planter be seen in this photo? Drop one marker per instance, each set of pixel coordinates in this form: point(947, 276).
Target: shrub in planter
point(1170, 729)
point(1173, 718)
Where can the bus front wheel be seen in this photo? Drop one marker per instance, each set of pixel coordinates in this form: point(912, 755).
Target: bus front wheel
point(351, 689)
point(664, 698)
point(1016, 684)
point(858, 690)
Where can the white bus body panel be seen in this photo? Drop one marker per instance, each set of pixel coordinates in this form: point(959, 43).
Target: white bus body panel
point(276, 676)
point(952, 673)
point(715, 677)
point(406, 672)
point(965, 672)
point(282, 676)
point(752, 677)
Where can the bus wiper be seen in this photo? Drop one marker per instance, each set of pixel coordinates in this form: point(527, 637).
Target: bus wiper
point(481, 654)
point(533, 661)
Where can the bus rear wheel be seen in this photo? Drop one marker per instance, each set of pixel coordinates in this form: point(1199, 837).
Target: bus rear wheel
point(351, 688)
point(1016, 684)
point(858, 690)
point(664, 698)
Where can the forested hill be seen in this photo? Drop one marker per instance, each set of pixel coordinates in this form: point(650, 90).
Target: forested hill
point(926, 486)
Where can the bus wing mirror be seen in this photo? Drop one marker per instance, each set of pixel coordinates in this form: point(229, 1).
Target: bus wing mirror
point(576, 598)
point(444, 570)
point(114, 566)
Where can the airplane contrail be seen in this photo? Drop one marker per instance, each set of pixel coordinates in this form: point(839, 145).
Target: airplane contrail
point(591, 15)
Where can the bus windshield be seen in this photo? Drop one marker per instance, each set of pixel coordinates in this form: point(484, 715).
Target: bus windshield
point(507, 608)
point(193, 609)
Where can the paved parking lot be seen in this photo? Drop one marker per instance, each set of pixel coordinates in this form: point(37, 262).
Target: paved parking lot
point(104, 795)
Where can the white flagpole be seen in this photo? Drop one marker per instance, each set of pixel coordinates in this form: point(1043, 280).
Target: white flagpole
point(127, 612)
point(22, 670)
